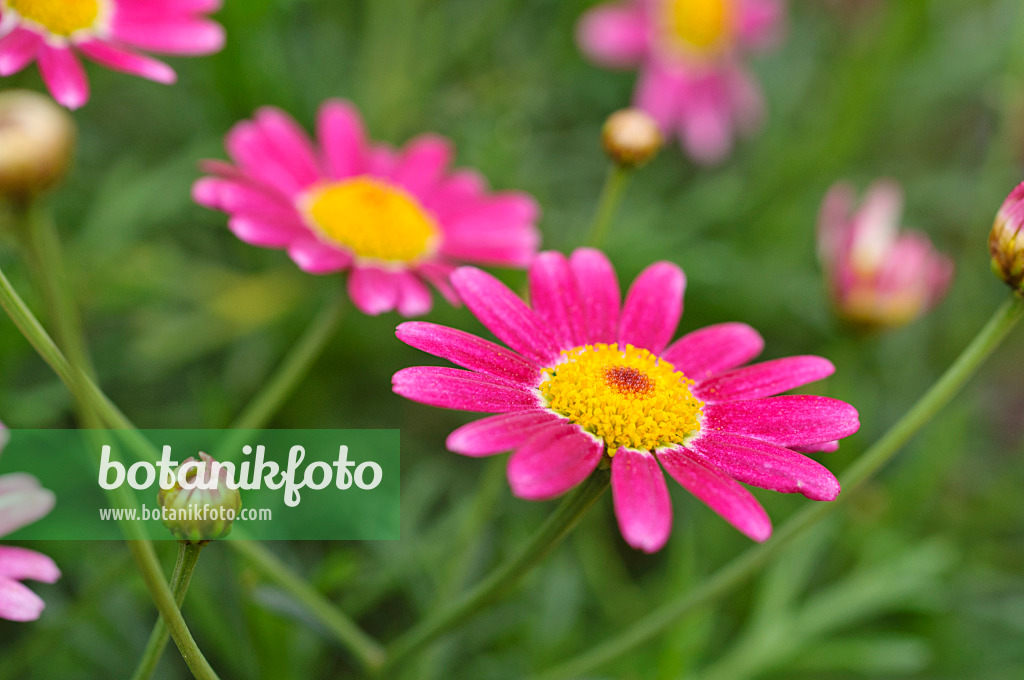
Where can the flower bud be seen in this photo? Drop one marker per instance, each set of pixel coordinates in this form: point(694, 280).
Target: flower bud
point(1006, 240)
point(36, 141)
point(631, 138)
point(203, 513)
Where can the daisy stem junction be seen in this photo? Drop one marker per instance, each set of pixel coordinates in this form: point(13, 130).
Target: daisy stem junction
point(747, 564)
point(188, 557)
point(608, 204)
point(501, 580)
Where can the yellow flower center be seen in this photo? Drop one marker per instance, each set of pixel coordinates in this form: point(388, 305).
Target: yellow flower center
point(59, 17)
point(627, 397)
point(374, 220)
point(701, 25)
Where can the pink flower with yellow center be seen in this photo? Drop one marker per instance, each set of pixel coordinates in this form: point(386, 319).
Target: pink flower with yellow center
point(690, 54)
point(22, 501)
point(587, 378)
point(394, 219)
point(877, 277)
point(111, 32)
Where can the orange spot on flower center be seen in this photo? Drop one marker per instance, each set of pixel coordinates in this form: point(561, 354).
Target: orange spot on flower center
point(628, 380)
point(59, 17)
point(375, 220)
point(701, 25)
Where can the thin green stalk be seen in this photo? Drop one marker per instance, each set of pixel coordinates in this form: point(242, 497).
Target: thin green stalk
point(294, 367)
point(608, 204)
point(366, 650)
point(500, 581)
point(188, 557)
point(748, 563)
point(33, 331)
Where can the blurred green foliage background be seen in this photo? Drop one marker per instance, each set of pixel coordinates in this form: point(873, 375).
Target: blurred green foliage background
point(921, 575)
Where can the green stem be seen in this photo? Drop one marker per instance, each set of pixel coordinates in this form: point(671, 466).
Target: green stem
point(608, 204)
point(551, 533)
point(294, 367)
point(188, 557)
point(44, 345)
point(367, 651)
point(747, 564)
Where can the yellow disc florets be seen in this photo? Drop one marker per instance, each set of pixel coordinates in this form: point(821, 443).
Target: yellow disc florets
point(375, 220)
point(627, 397)
point(700, 25)
point(59, 17)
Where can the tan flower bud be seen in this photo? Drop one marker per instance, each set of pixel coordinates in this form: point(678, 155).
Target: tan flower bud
point(631, 137)
point(1006, 240)
point(37, 138)
point(200, 514)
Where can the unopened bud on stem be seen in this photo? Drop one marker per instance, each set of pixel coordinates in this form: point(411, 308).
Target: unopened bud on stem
point(631, 138)
point(203, 513)
point(1006, 241)
point(37, 138)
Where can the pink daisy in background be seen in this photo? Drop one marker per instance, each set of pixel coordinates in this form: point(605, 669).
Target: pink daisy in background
point(394, 219)
point(588, 379)
point(690, 55)
point(111, 32)
point(878, 278)
point(22, 501)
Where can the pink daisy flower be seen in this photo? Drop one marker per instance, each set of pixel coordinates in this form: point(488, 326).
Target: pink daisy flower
point(394, 219)
point(587, 380)
point(690, 54)
point(22, 501)
point(111, 32)
point(878, 277)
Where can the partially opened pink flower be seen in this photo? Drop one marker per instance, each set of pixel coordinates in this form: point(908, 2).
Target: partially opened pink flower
point(22, 501)
point(878, 277)
point(394, 219)
point(587, 379)
point(111, 32)
point(690, 55)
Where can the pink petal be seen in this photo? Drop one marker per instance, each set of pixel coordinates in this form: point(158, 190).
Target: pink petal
point(64, 76)
point(614, 34)
point(469, 351)
point(18, 49)
point(438, 275)
point(641, 500)
point(499, 230)
point(169, 35)
point(502, 432)
point(18, 603)
point(654, 305)
point(552, 462)
point(764, 380)
point(127, 61)
point(660, 92)
point(598, 286)
point(342, 139)
point(457, 190)
point(556, 298)
point(414, 298)
point(373, 291)
point(505, 315)
point(761, 22)
point(251, 149)
point(422, 164)
point(713, 349)
point(22, 502)
point(824, 447)
point(766, 466)
point(290, 143)
point(706, 129)
point(235, 196)
point(720, 493)
point(798, 420)
point(461, 390)
point(21, 564)
point(833, 221)
point(266, 233)
point(316, 257)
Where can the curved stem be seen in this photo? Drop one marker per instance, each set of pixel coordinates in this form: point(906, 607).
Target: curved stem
point(292, 369)
point(748, 563)
point(608, 203)
point(557, 527)
point(188, 557)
